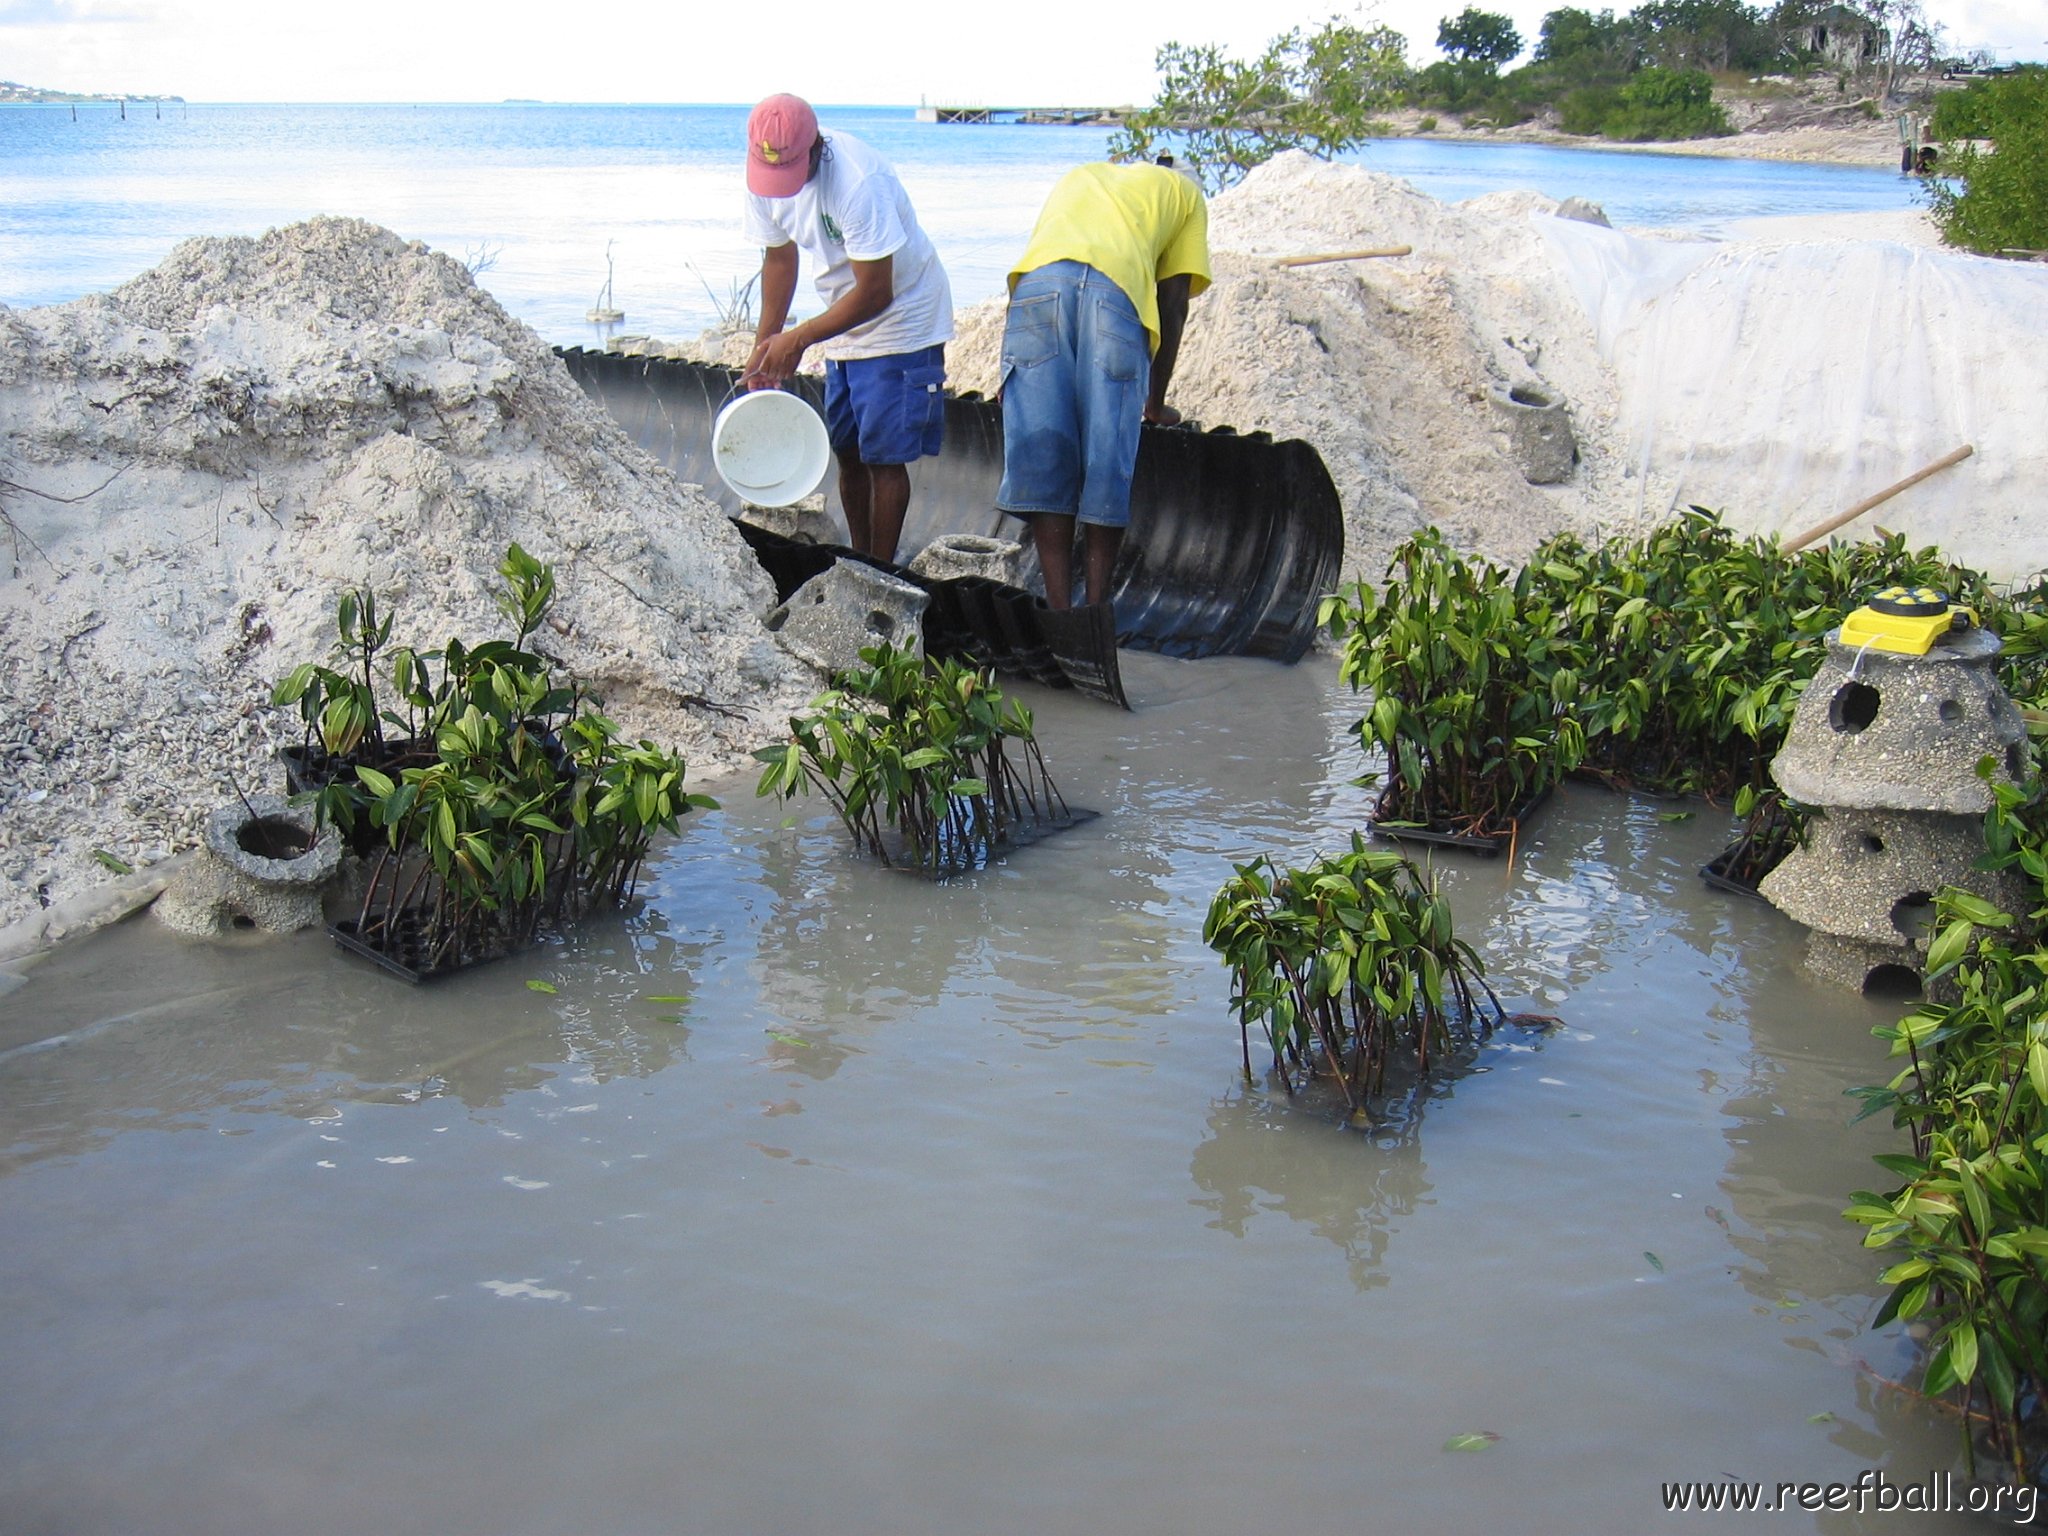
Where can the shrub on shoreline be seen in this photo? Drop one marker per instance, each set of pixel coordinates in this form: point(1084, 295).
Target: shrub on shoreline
point(1996, 200)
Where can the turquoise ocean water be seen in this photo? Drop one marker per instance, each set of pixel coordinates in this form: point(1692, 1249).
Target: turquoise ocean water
point(89, 198)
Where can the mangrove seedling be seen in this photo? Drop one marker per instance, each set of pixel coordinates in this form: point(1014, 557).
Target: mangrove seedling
point(1345, 962)
point(1469, 699)
point(921, 748)
point(515, 805)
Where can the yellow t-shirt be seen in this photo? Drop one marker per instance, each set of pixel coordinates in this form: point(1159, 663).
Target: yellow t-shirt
point(1135, 224)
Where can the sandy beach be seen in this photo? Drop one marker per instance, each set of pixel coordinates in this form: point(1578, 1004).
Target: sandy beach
point(1846, 140)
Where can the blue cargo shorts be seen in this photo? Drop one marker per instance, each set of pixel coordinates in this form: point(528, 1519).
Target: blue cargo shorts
point(887, 410)
point(1076, 368)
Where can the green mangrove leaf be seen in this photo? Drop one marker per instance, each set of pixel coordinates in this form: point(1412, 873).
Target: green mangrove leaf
point(1477, 1441)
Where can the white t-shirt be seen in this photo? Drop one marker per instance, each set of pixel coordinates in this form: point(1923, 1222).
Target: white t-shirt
point(855, 209)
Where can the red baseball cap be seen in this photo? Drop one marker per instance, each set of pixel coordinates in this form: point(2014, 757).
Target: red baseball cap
point(780, 133)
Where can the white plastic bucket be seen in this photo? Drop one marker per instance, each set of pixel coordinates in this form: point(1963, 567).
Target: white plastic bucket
point(770, 447)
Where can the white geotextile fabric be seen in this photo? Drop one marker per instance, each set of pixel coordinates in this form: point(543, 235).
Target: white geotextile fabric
point(1782, 384)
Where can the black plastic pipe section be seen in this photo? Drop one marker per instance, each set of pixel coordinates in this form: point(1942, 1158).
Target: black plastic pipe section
point(1233, 540)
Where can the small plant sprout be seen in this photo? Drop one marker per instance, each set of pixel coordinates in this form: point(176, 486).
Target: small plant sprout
point(604, 311)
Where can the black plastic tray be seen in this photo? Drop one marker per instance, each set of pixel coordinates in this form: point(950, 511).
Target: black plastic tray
point(1485, 847)
point(344, 933)
point(1711, 872)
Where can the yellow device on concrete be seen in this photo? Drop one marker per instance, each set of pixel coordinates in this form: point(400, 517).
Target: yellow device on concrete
point(1906, 620)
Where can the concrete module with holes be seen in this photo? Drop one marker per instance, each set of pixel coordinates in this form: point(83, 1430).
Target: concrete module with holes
point(1885, 748)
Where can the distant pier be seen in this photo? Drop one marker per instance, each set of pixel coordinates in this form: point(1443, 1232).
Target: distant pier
point(1059, 117)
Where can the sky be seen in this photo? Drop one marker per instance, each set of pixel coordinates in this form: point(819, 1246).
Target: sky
point(1049, 53)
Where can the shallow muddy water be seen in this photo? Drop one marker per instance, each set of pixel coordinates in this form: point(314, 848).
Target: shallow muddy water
point(945, 1207)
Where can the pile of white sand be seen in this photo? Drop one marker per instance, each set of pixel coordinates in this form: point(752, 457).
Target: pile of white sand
point(1777, 379)
point(202, 460)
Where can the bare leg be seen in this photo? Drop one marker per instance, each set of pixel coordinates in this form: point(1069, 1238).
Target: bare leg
point(888, 500)
point(854, 500)
point(1100, 554)
point(1052, 534)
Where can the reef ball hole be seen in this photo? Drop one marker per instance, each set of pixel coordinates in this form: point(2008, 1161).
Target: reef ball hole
point(2015, 762)
point(1913, 914)
point(272, 837)
point(880, 623)
point(777, 619)
point(1891, 983)
point(1521, 394)
point(241, 920)
point(1853, 707)
point(1872, 843)
point(1951, 711)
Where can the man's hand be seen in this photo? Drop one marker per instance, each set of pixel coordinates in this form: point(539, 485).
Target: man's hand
point(775, 359)
point(1161, 416)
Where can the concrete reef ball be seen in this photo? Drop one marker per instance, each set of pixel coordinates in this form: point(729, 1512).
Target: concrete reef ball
point(1883, 731)
point(805, 521)
point(952, 555)
point(1538, 429)
point(1884, 747)
point(830, 617)
point(230, 886)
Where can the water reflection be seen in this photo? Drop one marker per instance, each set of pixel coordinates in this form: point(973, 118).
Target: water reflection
point(1349, 1187)
point(111, 1039)
point(838, 945)
point(1795, 1155)
point(1598, 875)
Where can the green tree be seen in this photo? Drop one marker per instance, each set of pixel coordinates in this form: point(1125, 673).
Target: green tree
point(1998, 200)
point(1465, 86)
point(1476, 36)
point(1316, 91)
point(1572, 33)
point(1666, 104)
point(1705, 34)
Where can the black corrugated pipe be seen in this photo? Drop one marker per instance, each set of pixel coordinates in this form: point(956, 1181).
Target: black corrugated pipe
point(1233, 538)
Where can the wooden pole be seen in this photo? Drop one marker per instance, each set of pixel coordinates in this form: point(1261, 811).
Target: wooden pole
point(1822, 530)
point(1310, 261)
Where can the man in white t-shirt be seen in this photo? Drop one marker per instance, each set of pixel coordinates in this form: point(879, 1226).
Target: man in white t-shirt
point(888, 308)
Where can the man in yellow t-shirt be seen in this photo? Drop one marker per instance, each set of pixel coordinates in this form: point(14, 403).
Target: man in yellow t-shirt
point(1097, 304)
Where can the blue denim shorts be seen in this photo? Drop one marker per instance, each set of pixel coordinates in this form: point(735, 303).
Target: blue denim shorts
point(1077, 366)
point(886, 410)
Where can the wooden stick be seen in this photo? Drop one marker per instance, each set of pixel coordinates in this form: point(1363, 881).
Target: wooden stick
point(1309, 261)
point(1822, 530)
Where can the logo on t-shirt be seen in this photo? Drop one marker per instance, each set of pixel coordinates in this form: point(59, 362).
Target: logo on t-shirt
point(832, 229)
